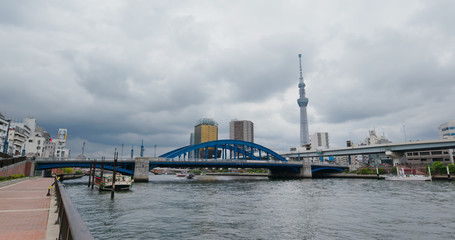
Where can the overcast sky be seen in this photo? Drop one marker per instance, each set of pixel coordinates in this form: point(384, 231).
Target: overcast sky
point(119, 72)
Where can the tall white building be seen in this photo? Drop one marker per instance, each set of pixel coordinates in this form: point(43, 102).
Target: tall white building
point(241, 130)
point(447, 130)
point(18, 134)
point(320, 140)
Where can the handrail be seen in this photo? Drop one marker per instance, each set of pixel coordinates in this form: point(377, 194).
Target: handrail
point(72, 226)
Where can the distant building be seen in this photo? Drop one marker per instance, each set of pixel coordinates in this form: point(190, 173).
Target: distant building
point(3, 129)
point(447, 130)
point(241, 130)
point(374, 140)
point(423, 158)
point(60, 144)
point(206, 130)
point(320, 140)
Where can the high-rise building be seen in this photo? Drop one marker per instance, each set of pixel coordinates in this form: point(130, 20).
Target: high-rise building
point(205, 130)
point(320, 140)
point(303, 103)
point(241, 130)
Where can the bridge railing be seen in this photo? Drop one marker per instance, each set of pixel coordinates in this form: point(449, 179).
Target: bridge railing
point(72, 226)
point(219, 160)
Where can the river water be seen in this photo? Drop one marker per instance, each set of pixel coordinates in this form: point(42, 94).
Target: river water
point(219, 207)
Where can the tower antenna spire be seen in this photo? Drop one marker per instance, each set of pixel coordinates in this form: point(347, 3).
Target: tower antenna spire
point(303, 103)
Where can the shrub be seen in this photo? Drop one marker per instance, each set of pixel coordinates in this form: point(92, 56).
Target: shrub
point(78, 172)
point(439, 167)
point(451, 168)
point(14, 176)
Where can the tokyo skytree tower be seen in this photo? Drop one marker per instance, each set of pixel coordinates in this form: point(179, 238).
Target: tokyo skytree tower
point(303, 103)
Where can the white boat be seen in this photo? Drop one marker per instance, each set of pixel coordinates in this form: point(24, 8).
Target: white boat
point(122, 182)
point(401, 176)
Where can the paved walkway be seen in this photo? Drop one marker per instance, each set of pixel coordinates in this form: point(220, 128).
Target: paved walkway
point(24, 209)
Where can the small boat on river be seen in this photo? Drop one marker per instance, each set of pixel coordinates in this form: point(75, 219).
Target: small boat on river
point(402, 176)
point(122, 182)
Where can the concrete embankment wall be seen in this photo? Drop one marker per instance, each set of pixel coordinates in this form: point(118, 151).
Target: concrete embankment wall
point(24, 167)
point(345, 175)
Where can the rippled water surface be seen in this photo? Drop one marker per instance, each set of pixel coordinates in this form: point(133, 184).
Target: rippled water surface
point(258, 208)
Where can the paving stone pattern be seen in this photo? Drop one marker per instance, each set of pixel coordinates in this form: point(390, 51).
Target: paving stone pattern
point(24, 209)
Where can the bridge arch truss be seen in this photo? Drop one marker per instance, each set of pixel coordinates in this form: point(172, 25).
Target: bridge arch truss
point(225, 149)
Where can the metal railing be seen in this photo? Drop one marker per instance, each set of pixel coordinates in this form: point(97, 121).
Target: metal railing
point(72, 226)
point(10, 161)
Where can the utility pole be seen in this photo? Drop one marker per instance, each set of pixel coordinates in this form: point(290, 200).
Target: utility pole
point(114, 173)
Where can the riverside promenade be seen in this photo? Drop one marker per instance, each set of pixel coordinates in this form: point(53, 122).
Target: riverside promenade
point(25, 210)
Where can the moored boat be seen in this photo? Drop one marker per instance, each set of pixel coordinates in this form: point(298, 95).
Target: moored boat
point(122, 182)
point(402, 176)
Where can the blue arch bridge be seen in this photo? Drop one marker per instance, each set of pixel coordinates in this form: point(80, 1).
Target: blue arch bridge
point(214, 154)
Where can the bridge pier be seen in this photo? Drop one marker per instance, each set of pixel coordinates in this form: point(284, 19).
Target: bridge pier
point(141, 170)
point(302, 172)
point(305, 171)
point(396, 157)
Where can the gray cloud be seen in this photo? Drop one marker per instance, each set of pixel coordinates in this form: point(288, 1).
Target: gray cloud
point(121, 72)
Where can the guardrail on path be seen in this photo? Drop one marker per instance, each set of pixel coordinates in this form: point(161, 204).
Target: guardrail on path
point(72, 226)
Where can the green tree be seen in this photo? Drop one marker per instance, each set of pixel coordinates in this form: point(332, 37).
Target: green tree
point(451, 168)
point(439, 167)
point(68, 170)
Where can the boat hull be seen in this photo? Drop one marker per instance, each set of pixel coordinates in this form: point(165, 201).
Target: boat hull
point(410, 178)
point(121, 183)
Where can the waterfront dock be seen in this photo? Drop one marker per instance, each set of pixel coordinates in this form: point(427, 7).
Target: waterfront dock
point(25, 210)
